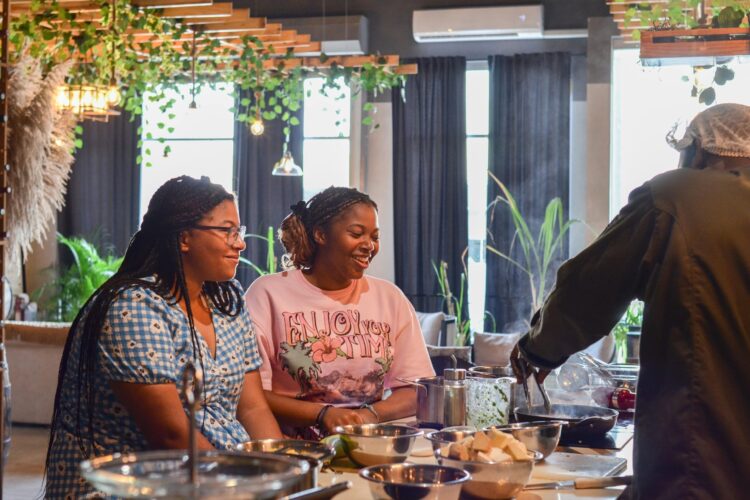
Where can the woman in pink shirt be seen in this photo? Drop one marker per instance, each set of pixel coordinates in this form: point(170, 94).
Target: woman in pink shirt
point(335, 342)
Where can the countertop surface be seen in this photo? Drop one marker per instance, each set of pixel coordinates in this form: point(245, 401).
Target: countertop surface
point(544, 471)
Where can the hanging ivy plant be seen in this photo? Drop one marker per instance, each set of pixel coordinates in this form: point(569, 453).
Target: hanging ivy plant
point(148, 55)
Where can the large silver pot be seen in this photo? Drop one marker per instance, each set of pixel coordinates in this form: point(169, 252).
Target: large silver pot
point(441, 401)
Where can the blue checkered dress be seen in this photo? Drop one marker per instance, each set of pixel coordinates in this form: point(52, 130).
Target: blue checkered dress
point(146, 341)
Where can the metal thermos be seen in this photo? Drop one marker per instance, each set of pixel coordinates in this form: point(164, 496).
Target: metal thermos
point(454, 397)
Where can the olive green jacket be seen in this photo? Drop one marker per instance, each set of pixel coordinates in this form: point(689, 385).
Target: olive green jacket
point(682, 245)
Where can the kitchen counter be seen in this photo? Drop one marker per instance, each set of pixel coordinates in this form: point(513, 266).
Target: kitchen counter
point(542, 473)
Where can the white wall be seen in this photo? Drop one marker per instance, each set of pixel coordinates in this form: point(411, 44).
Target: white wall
point(378, 183)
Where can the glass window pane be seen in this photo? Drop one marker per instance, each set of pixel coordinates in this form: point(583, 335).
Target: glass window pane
point(326, 115)
point(212, 119)
point(476, 165)
point(646, 103)
point(326, 163)
point(477, 285)
point(477, 102)
point(194, 158)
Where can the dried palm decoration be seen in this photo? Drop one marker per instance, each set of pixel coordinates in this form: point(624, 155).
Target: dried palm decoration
point(42, 141)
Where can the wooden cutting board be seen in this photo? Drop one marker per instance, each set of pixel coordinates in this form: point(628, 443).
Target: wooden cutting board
point(561, 466)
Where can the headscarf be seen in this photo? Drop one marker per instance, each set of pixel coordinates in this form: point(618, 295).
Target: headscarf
point(723, 130)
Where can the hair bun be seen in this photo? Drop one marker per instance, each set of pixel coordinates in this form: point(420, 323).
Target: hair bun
point(299, 208)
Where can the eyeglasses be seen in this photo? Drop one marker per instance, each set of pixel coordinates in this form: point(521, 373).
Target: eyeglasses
point(234, 234)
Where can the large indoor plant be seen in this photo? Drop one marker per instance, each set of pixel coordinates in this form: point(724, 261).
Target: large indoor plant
point(540, 248)
point(70, 291)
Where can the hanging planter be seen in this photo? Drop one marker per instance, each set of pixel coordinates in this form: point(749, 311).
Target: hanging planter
point(702, 34)
point(147, 45)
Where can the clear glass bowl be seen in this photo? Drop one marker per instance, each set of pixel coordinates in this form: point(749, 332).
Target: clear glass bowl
point(222, 474)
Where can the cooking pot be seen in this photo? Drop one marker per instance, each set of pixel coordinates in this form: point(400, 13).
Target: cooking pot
point(441, 401)
point(580, 420)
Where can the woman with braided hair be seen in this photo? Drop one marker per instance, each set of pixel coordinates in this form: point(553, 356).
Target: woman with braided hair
point(334, 342)
point(172, 301)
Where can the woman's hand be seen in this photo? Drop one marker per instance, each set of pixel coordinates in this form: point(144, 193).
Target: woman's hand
point(347, 416)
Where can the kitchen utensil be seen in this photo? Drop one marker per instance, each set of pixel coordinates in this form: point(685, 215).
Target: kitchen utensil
point(441, 439)
point(525, 383)
point(496, 370)
point(562, 466)
point(222, 474)
point(410, 481)
point(541, 436)
point(192, 388)
point(488, 480)
point(580, 420)
point(543, 391)
point(372, 444)
point(441, 400)
point(454, 396)
point(583, 483)
point(321, 493)
point(315, 453)
point(190, 474)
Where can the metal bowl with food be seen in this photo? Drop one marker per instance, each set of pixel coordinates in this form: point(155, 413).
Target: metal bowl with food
point(441, 440)
point(315, 453)
point(374, 444)
point(490, 480)
point(221, 474)
point(410, 481)
point(541, 435)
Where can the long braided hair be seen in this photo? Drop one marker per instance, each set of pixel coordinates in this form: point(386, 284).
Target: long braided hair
point(154, 250)
point(296, 231)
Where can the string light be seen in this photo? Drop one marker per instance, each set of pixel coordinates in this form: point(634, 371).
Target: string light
point(257, 127)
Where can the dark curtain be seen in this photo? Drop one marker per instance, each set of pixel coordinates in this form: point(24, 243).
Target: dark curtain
point(264, 199)
point(529, 153)
point(102, 199)
point(429, 178)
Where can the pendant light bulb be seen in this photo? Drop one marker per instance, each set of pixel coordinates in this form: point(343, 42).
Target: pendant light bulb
point(113, 95)
point(257, 127)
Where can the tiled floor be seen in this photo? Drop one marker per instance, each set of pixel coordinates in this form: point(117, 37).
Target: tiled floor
point(22, 478)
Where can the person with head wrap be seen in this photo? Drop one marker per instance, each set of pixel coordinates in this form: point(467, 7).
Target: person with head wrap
point(682, 245)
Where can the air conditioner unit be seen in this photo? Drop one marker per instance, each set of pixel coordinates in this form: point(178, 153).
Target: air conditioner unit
point(477, 24)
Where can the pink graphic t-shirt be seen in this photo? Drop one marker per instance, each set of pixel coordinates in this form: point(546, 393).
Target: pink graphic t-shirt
point(341, 347)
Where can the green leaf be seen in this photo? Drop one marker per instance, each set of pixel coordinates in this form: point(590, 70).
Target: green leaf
point(707, 96)
point(294, 121)
point(78, 143)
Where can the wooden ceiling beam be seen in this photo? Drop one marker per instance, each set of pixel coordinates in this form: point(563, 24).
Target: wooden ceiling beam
point(236, 15)
point(162, 4)
point(252, 23)
point(215, 10)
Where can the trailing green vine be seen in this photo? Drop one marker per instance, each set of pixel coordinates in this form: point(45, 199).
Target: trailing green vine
point(146, 54)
